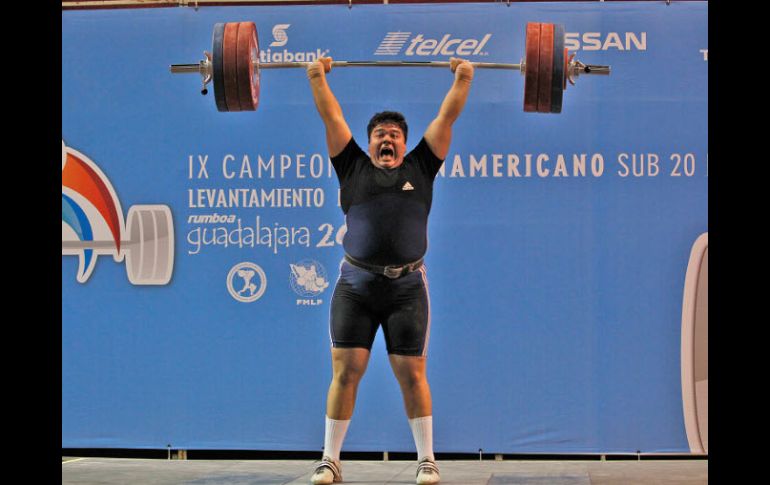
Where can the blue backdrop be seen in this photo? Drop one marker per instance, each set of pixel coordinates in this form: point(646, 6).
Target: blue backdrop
point(556, 293)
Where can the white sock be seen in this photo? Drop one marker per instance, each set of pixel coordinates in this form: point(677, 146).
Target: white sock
point(334, 436)
point(422, 430)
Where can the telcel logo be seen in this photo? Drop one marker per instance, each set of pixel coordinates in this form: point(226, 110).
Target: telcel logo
point(394, 42)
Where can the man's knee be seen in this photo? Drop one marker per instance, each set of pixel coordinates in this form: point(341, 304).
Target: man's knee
point(349, 365)
point(348, 374)
point(410, 371)
point(349, 370)
point(413, 379)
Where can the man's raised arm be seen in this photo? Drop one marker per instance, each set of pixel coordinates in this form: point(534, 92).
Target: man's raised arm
point(337, 131)
point(439, 132)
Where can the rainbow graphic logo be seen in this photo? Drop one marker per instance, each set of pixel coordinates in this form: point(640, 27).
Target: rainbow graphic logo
point(93, 224)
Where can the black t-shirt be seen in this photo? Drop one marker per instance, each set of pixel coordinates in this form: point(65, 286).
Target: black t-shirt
point(386, 209)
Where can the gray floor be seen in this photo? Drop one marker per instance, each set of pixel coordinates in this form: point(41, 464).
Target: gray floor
point(84, 471)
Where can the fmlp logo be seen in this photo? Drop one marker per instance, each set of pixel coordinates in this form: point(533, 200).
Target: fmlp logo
point(308, 279)
point(419, 45)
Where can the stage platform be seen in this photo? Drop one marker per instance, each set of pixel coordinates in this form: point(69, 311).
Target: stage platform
point(96, 470)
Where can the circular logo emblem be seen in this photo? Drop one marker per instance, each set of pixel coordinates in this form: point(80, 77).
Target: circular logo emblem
point(246, 282)
point(308, 278)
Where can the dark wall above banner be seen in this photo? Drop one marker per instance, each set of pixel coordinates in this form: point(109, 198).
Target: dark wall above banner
point(107, 4)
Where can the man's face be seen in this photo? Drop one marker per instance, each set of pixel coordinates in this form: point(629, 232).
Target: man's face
point(387, 145)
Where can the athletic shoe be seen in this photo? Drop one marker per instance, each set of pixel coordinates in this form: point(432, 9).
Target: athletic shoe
point(327, 472)
point(427, 472)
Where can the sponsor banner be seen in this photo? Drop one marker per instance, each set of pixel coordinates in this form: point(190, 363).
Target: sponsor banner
point(200, 249)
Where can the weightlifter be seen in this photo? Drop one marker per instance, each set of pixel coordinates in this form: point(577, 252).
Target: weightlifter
point(386, 196)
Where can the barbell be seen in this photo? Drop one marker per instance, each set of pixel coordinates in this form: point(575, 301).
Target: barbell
point(235, 69)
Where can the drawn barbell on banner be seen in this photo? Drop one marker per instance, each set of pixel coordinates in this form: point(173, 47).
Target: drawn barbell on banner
point(149, 251)
point(92, 225)
point(235, 69)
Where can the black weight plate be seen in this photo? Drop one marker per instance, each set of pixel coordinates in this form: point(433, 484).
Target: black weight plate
point(557, 82)
point(218, 74)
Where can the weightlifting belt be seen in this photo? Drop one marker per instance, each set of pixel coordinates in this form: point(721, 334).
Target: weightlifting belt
point(391, 271)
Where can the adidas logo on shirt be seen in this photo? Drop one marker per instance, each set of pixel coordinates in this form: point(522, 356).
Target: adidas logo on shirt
point(407, 186)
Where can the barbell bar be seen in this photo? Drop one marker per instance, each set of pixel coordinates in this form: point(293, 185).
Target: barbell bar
point(196, 68)
point(234, 67)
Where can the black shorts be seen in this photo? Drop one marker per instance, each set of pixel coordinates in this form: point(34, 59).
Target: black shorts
point(363, 301)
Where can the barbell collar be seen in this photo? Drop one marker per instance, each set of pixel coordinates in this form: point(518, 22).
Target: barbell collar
point(185, 68)
point(578, 68)
point(596, 69)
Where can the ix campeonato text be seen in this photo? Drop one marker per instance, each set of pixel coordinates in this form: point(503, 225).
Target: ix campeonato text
point(495, 165)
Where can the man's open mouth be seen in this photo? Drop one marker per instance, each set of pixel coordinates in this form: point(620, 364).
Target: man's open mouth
point(387, 152)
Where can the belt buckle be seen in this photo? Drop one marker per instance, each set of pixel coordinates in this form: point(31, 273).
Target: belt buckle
point(393, 272)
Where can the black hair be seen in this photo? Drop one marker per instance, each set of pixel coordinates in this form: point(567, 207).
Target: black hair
point(387, 117)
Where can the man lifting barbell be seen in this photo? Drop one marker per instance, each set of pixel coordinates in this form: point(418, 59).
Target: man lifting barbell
point(386, 197)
